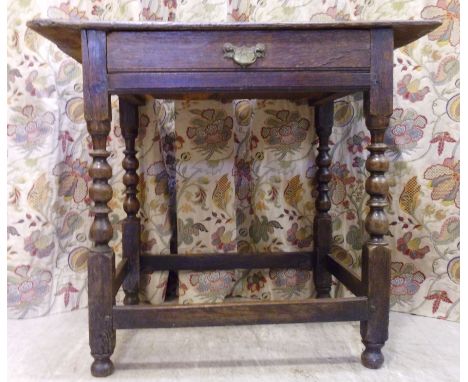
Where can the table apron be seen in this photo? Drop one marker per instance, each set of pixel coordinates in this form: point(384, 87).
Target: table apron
point(245, 84)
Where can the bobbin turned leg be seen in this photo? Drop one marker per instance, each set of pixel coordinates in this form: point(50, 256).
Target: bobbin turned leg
point(376, 254)
point(322, 219)
point(131, 227)
point(101, 261)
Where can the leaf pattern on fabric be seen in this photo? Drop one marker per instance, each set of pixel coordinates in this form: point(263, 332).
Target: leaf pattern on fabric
point(409, 198)
point(222, 193)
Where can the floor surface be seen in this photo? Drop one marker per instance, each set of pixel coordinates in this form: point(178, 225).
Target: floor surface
point(55, 348)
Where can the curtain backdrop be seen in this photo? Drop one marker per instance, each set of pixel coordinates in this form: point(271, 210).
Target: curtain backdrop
point(242, 170)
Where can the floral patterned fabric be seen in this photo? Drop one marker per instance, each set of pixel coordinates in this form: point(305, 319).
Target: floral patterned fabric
point(238, 173)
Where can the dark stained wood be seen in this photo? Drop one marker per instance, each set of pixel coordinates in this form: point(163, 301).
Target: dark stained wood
point(322, 221)
point(232, 84)
point(133, 99)
point(345, 276)
point(316, 62)
point(312, 98)
point(131, 227)
point(101, 261)
point(120, 273)
point(324, 98)
point(214, 261)
point(236, 313)
point(66, 34)
point(203, 50)
point(376, 255)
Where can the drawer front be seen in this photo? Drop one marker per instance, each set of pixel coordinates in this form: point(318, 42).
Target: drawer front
point(237, 50)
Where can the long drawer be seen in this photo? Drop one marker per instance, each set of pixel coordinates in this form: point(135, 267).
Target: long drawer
point(198, 51)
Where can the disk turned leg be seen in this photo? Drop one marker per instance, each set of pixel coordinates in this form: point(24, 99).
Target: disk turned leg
point(101, 261)
point(322, 220)
point(376, 254)
point(131, 227)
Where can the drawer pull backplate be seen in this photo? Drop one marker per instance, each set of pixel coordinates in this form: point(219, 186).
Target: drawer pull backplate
point(244, 55)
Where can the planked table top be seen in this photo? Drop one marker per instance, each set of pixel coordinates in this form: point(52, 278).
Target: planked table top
point(66, 34)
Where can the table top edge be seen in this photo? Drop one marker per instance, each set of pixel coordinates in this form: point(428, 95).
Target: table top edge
point(156, 25)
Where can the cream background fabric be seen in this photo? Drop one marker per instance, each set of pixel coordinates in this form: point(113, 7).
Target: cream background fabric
point(245, 189)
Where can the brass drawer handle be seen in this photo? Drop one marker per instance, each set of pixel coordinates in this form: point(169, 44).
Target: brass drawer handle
point(244, 55)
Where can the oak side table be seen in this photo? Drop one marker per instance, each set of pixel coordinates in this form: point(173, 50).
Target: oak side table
point(318, 62)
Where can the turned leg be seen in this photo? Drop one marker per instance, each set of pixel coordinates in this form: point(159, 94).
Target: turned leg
point(376, 254)
point(322, 219)
point(101, 261)
point(131, 227)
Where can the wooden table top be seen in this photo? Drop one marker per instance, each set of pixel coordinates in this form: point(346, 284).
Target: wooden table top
point(66, 34)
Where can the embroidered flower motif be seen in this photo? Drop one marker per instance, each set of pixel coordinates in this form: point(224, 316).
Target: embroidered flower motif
point(214, 283)
point(448, 68)
point(29, 288)
point(73, 178)
point(31, 128)
point(300, 237)
point(445, 181)
point(410, 89)
point(289, 282)
point(39, 244)
point(406, 129)
point(289, 277)
point(211, 131)
point(411, 247)
point(222, 240)
point(358, 142)
point(285, 131)
point(405, 282)
point(255, 282)
point(260, 230)
point(449, 231)
point(448, 12)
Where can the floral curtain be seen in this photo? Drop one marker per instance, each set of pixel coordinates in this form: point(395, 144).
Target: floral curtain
point(240, 173)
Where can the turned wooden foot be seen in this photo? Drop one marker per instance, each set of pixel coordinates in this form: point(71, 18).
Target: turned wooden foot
point(102, 367)
point(372, 356)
